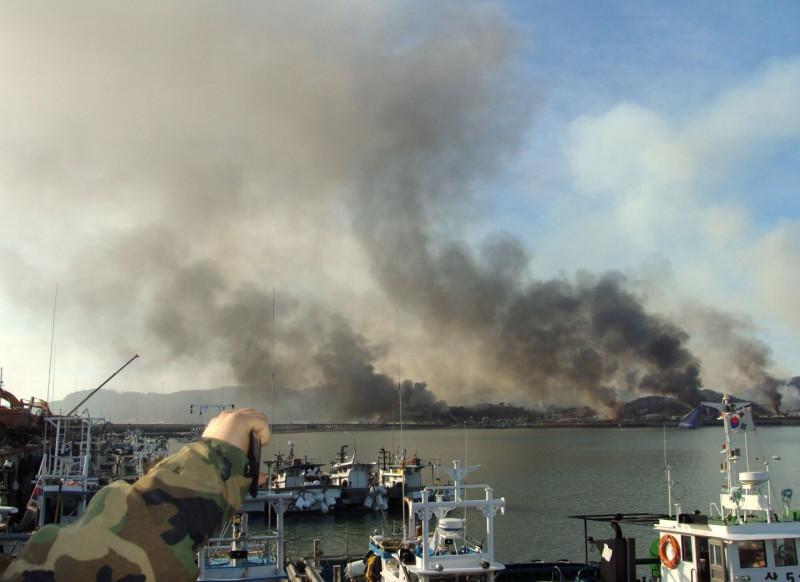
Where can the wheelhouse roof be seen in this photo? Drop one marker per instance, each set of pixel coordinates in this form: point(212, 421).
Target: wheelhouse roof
point(644, 518)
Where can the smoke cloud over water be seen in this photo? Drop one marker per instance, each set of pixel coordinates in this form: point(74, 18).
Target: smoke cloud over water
point(340, 164)
point(730, 350)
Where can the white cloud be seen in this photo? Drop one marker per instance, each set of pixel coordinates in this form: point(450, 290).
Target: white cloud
point(657, 182)
point(774, 263)
point(139, 146)
point(746, 118)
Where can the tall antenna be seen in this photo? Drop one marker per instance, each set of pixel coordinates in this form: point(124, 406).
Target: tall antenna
point(50, 373)
point(272, 405)
point(272, 412)
point(52, 341)
point(400, 400)
point(399, 381)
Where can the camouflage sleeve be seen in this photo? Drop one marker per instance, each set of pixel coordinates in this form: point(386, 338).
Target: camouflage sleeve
point(150, 530)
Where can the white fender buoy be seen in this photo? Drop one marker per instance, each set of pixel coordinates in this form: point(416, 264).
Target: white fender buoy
point(356, 569)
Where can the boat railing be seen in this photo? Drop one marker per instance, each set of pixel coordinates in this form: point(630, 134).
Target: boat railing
point(425, 509)
point(261, 546)
point(498, 503)
point(72, 479)
point(459, 546)
point(435, 488)
point(13, 543)
point(250, 539)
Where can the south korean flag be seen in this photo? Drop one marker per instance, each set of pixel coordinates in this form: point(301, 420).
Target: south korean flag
point(741, 420)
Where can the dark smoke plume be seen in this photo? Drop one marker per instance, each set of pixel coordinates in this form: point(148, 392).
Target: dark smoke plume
point(201, 161)
point(738, 358)
point(354, 389)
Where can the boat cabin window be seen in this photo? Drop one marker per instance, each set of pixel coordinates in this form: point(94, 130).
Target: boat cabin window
point(752, 554)
point(686, 548)
point(785, 552)
point(715, 553)
point(459, 578)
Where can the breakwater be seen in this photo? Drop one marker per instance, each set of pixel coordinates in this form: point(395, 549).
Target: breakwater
point(178, 430)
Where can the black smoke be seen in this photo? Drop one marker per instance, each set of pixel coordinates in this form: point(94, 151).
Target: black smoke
point(733, 354)
point(346, 161)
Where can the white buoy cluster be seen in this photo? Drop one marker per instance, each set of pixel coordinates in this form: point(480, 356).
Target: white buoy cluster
point(376, 498)
point(314, 500)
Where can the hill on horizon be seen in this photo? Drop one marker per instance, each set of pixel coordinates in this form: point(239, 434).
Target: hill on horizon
point(197, 406)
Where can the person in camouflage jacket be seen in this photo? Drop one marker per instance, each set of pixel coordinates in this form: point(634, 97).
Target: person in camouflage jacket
point(153, 528)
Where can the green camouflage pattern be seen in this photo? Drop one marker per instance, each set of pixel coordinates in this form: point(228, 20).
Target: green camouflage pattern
point(150, 530)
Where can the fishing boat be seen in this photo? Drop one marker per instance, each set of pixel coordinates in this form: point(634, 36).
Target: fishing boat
point(355, 479)
point(238, 555)
point(433, 545)
point(311, 488)
point(68, 477)
point(400, 477)
point(749, 534)
point(129, 456)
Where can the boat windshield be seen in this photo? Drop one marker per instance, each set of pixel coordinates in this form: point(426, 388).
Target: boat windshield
point(752, 554)
point(686, 548)
point(785, 552)
point(459, 578)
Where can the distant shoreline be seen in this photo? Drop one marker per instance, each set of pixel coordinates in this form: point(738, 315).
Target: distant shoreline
point(178, 430)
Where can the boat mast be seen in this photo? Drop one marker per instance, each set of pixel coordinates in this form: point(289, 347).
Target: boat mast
point(272, 404)
point(50, 374)
point(52, 341)
point(272, 372)
point(729, 456)
point(400, 400)
point(93, 392)
point(726, 411)
point(668, 472)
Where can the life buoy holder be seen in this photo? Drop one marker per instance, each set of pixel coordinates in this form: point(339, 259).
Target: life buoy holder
point(669, 541)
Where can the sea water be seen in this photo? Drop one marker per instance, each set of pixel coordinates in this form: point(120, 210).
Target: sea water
point(546, 475)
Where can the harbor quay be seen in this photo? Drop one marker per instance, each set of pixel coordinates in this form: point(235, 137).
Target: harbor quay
point(176, 430)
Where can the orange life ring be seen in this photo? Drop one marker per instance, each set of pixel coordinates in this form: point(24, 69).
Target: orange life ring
point(669, 540)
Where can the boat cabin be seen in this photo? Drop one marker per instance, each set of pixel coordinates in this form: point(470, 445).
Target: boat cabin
point(727, 549)
point(443, 553)
point(749, 535)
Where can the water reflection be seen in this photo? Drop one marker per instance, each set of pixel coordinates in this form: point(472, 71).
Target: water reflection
point(546, 475)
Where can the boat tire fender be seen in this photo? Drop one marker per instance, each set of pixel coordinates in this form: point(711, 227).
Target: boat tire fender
point(669, 541)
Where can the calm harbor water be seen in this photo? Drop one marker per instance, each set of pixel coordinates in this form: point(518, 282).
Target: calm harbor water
point(546, 475)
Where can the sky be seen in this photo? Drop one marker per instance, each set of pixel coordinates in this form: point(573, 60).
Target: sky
point(539, 203)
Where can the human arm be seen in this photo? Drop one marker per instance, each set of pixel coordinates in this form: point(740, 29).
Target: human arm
point(154, 527)
point(235, 427)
